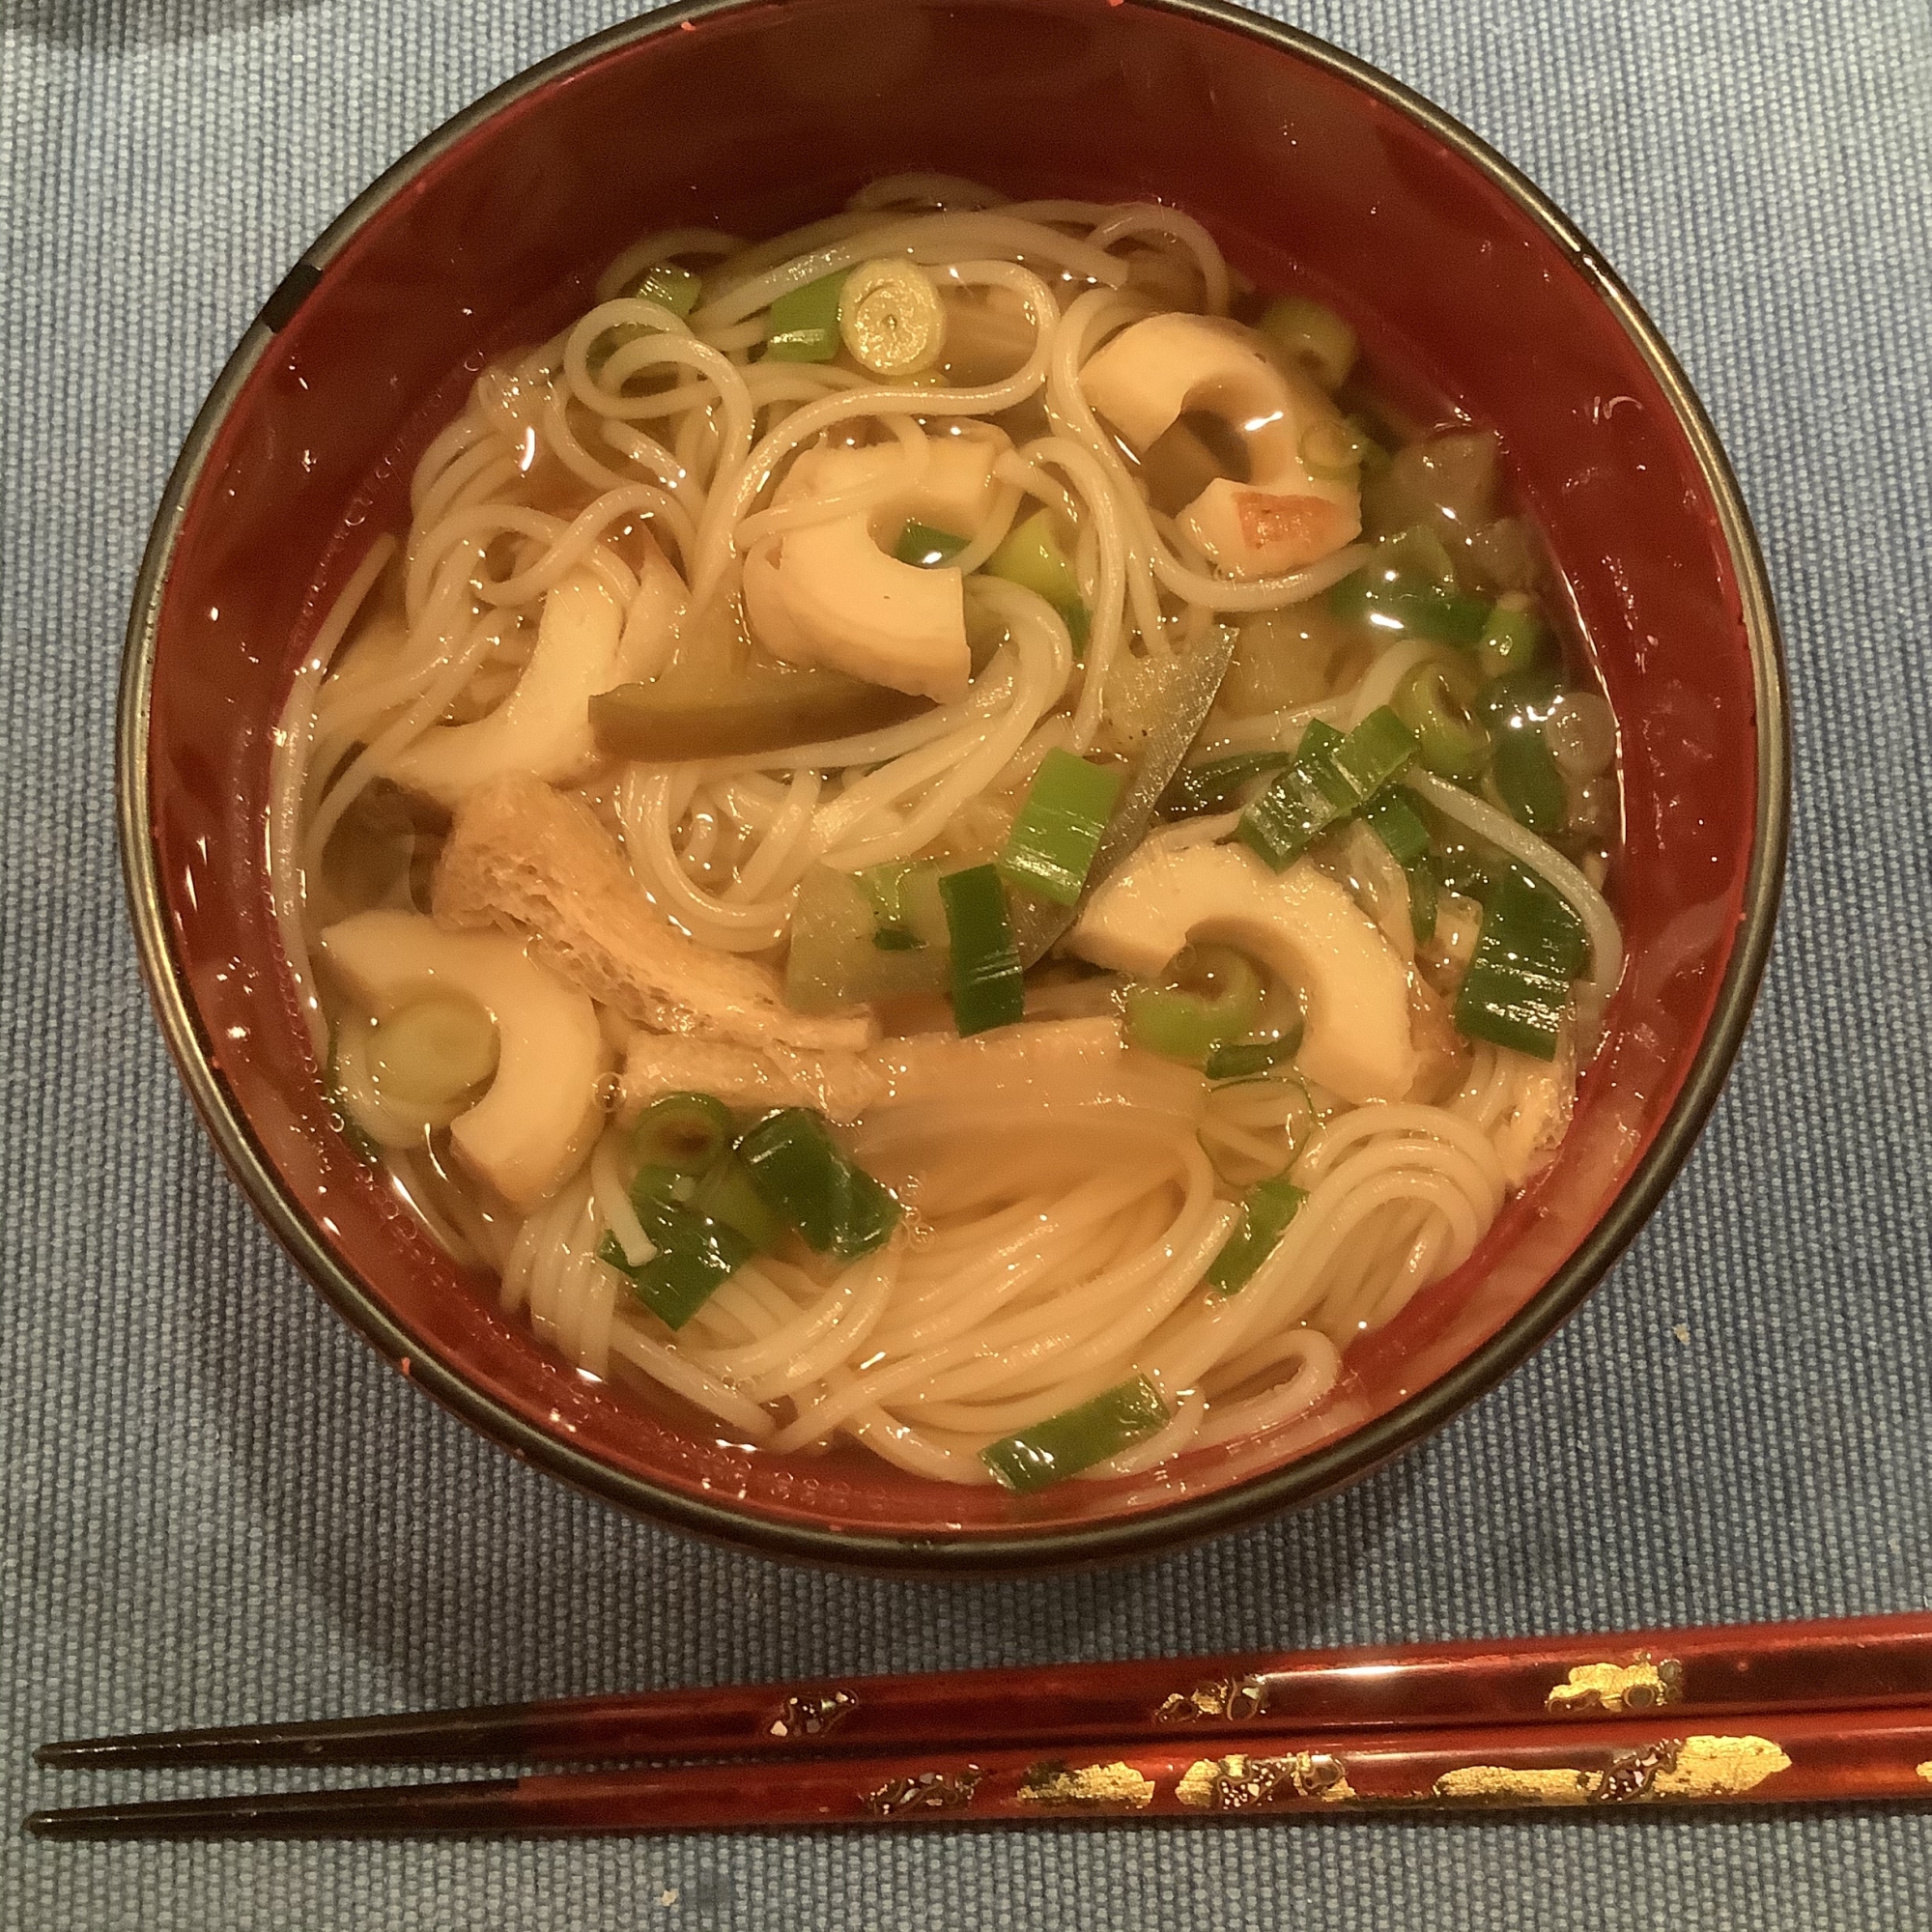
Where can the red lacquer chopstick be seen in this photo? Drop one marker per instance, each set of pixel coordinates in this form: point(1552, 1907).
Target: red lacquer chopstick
point(1800, 1757)
point(1843, 1664)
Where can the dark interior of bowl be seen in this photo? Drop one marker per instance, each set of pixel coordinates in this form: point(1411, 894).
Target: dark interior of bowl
point(758, 116)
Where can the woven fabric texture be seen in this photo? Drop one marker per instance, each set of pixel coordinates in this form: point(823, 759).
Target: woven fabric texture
point(219, 1504)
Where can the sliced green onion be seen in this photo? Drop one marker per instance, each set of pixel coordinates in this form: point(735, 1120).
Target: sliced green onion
point(1392, 602)
point(1528, 949)
point(1375, 752)
point(928, 548)
point(1031, 555)
point(1051, 848)
point(1328, 450)
point(1434, 701)
point(1512, 639)
point(1267, 1208)
point(695, 1255)
point(655, 1185)
point(1374, 451)
point(835, 959)
point(988, 988)
point(805, 1178)
point(1315, 336)
point(433, 1051)
point(1529, 784)
point(884, 886)
point(1416, 553)
point(1460, 867)
point(1079, 627)
point(1394, 819)
point(684, 1132)
point(1250, 1059)
point(1076, 1438)
point(1216, 784)
point(1304, 802)
point(804, 323)
point(1332, 778)
point(1213, 994)
point(669, 286)
point(727, 1193)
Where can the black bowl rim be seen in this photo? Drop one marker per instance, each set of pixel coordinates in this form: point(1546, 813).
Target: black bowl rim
point(1006, 1552)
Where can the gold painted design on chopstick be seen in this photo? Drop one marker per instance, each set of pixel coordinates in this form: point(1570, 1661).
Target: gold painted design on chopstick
point(1645, 1684)
point(1675, 1769)
point(1716, 1767)
point(1499, 1784)
point(1924, 1770)
point(802, 1717)
point(924, 1791)
point(1234, 1698)
point(1055, 1784)
point(1237, 1782)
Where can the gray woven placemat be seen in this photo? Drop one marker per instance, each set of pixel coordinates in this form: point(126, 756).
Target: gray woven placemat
point(217, 1504)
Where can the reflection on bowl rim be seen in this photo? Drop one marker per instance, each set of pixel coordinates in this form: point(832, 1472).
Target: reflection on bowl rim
point(979, 1554)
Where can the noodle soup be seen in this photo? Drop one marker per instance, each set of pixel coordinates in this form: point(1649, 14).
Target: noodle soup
point(951, 833)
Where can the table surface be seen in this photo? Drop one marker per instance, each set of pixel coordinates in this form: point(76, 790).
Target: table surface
point(217, 1504)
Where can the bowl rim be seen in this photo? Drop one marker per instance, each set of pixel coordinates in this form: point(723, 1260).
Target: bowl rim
point(972, 1555)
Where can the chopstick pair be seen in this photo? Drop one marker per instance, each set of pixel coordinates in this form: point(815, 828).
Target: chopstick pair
point(1776, 1713)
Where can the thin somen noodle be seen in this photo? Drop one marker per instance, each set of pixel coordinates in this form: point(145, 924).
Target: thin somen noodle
point(691, 840)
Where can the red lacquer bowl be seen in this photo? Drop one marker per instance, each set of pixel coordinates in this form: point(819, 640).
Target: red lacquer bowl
point(1315, 172)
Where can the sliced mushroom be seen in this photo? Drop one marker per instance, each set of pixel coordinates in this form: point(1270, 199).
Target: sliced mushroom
point(540, 1113)
point(833, 594)
point(1302, 499)
point(1301, 922)
point(584, 646)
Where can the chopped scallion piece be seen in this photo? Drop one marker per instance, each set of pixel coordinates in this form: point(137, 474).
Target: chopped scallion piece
point(1512, 640)
point(655, 1185)
point(1216, 784)
point(1312, 334)
point(1265, 1212)
point(922, 545)
point(694, 1256)
point(1304, 802)
point(1375, 752)
point(804, 323)
point(1390, 602)
point(987, 986)
point(1031, 555)
point(1076, 1438)
point(669, 286)
point(1434, 701)
point(806, 1179)
point(1529, 784)
point(1051, 848)
point(1528, 949)
point(1331, 780)
point(685, 1132)
point(1214, 994)
point(1250, 1059)
point(885, 887)
point(725, 1193)
point(1394, 821)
